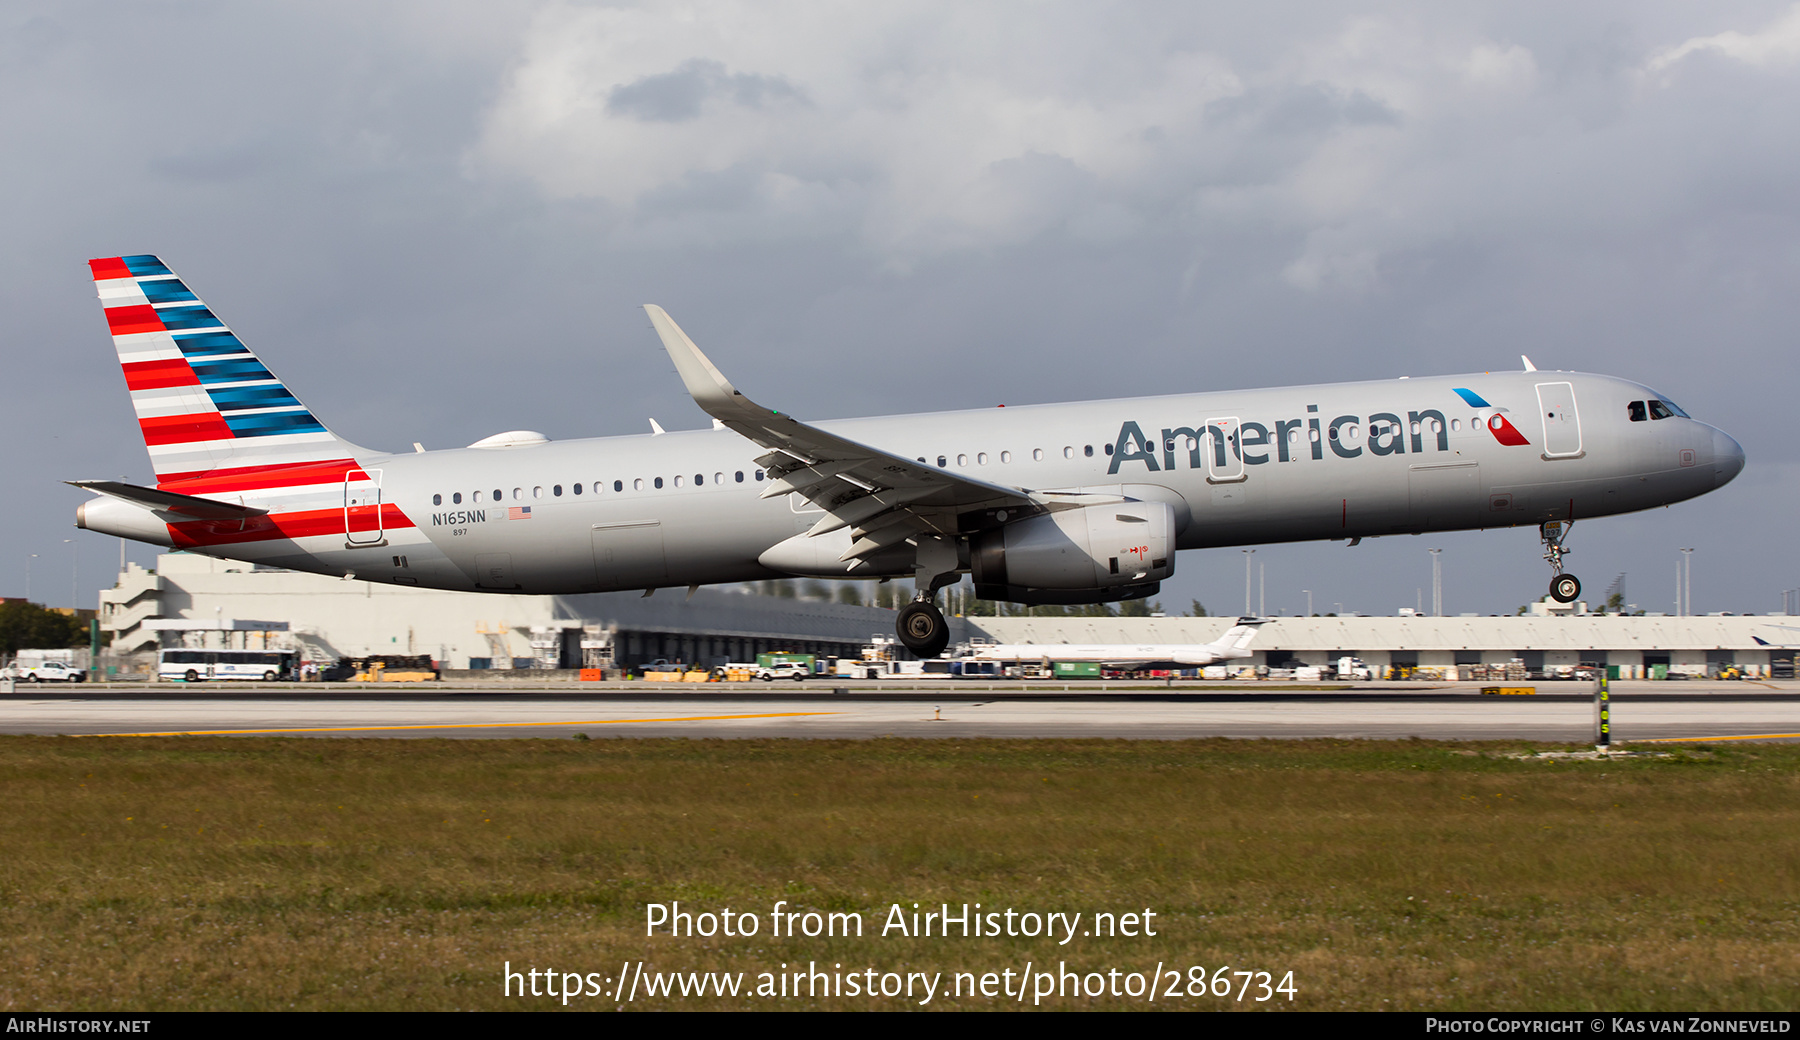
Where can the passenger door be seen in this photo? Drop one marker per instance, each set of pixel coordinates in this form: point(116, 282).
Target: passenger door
point(1562, 423)
point(362, 508)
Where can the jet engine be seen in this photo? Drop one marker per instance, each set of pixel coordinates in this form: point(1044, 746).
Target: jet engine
point(1092, 554)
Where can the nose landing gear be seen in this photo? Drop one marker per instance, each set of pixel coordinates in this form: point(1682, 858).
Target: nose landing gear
point(1564, 588)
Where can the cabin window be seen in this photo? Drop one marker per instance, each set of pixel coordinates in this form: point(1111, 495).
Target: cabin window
point(718, 478)
point(740, 476)
point(476, 497)
point(518, 494)
point(759, 476)
point(1037, 454)
point(437, 500)
point(557, 490)
point(537, 492)
point(1106, 448)
point(1088, 450)
point(678, 481)
point(1455, 424)
point(981, 458)
point(499, 496)
point(638, 484)
point(658, 483)
point(456, 498)
point(941, 462)
point(962, 460)
point(1005, 457)
point(619, 485)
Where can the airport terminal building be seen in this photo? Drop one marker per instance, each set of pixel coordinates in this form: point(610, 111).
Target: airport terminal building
point(193, 600)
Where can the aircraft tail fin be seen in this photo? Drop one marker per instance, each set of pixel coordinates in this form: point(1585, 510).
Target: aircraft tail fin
point(206, 405)
point(1238, 637)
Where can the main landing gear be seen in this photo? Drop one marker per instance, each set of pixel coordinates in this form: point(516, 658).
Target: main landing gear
point(921, 625)
point(923, 629)
point(1564, 588)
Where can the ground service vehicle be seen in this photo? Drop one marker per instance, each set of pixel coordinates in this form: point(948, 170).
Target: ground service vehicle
point(204, 665)
point(44, 671)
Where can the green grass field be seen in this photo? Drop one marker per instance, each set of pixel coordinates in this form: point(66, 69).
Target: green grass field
point(197, 873)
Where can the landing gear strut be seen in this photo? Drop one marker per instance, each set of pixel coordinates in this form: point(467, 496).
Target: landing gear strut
point(921, 624)
point(1564, 588)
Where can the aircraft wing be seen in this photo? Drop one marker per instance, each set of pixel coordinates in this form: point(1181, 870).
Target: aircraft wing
point(185, 506)
point(884, 498)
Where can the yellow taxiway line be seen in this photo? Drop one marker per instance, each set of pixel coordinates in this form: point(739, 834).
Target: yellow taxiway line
point(462, 725)
point(1695, 740)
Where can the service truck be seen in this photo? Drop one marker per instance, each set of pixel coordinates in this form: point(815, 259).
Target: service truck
point(44, 666)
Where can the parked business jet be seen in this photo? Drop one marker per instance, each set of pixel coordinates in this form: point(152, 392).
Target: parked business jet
point(1057, 503)
point(1233, 645)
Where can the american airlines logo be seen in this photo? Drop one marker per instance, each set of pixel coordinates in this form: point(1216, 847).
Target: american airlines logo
point(1228, 442)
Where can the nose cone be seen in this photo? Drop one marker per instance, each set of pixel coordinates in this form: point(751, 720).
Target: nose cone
point(1728, 458)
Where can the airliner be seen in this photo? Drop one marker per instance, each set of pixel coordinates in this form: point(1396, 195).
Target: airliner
point(1073, 503)
point(1233, 645)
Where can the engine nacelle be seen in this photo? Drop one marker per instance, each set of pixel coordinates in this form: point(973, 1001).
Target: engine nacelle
point(1094, 554)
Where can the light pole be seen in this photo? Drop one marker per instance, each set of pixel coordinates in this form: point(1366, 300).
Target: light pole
point(28, 560)
point(1308, 601)
point(1437, 583)
point(74, 573)
point(1687, 582)
point(1247, 554)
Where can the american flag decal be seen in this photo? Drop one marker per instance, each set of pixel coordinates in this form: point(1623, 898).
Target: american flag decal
point(518, 512)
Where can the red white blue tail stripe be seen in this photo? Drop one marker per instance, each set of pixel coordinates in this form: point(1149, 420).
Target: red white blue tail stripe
point(207, 406)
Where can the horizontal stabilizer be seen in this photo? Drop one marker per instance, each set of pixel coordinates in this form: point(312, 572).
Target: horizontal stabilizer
point(185, 506)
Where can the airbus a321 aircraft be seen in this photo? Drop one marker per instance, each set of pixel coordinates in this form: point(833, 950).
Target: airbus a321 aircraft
point(1055, 503)
point(1233, 645)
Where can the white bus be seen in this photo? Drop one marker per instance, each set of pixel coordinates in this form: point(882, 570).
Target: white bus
point(201, 665)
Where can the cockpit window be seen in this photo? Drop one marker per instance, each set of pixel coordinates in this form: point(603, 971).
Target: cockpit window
point(1664, 410)
point(1636, 410)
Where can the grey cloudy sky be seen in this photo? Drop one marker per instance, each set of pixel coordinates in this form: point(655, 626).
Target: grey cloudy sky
point(437, 220)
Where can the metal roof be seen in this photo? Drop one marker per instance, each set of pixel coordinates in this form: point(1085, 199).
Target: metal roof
point(1352, 634)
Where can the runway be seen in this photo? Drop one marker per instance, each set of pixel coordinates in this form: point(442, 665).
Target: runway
point(1149, 713)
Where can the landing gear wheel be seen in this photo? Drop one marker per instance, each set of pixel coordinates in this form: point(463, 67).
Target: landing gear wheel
point(1564, 588)
point(922, 629)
